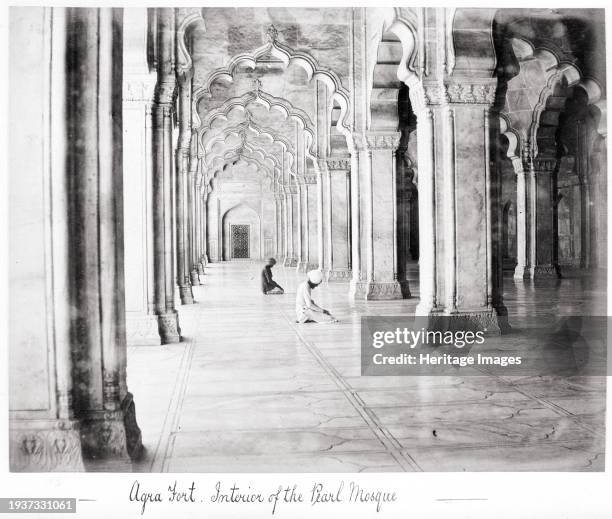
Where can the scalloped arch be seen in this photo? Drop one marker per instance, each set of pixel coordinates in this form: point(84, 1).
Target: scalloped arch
point(287, 56)
point(270, 103)
point(240, 130)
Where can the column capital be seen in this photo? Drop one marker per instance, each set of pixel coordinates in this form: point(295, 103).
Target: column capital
point(310, 178)
point(138, 88)
point(455, 91)
point(339, 164)
point(377, 140)
point(165, 90)
point(544, 164)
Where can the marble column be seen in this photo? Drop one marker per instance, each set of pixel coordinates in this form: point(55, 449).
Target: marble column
point(203, 197)
point(103, 405)
point(582, 170)
point(521, 271)
point(458, 271)
point(320, 223)
point(278, 227)
point(327, 222)
point(379, 208)
point(312, 220)
point(138, 87)
point(194, 212)
point(543, 220)
point(407, 227)
point(356, 288)
point(163, 246)
point(183, 152)
point(290, 226)
point(300, 262)
point(44, 433)
point(598, 229)
point(339, 219)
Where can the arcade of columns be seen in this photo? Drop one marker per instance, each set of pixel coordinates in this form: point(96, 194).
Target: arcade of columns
point(393, 147)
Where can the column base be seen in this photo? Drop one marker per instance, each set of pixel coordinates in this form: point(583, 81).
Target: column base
point(186, 294)
point(545, 271)
point(521, 272)
point(194, 277)
point(382, 291)
point(45, 446)
point(200, 268)
point(302, 266)
point(487, 321)
point(339, 275)
point(142, 330)
point(168, 326)
point(290, 262)
point(111, 440)
point(357, 290)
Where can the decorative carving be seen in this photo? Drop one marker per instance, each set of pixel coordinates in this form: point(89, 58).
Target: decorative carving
point(53, 446)
point(471, 93)
point(271, 34)
point(544, 164)
point(383, 291)
point(194, 278)
point(339, 275)
point(141, 329)
point(257, 86)
point(169, 329)
point(376, 141)
point(456, 92)
point(310, 178)
point(112, 435)
point(139, 90)
point(487, 321)
point(110, 389)
point(545, 271)
point(340, 163)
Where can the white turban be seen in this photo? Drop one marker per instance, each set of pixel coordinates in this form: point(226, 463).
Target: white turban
point(315, 276)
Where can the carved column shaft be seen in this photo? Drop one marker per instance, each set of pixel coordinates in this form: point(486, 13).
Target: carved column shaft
point(43, 432)
point(378, 190)
point(95, 168)
point(543, 219)
point(338, 219)
point(300, 228)
point(162, 181)
point(458, 266)
point(182, 172)
point(521, 270)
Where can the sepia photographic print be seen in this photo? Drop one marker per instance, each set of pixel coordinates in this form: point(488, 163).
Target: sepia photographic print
point(306, 240)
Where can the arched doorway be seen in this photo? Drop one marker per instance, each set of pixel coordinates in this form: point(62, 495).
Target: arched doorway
point(241, 234)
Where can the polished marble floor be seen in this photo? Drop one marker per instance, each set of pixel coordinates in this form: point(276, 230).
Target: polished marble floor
point(248, 390)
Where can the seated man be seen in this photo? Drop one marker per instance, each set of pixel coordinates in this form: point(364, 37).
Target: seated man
point(307, 311)
point(268, 285)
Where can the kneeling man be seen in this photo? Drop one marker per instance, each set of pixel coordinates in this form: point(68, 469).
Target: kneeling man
point(307, 311)
point(268, 285)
